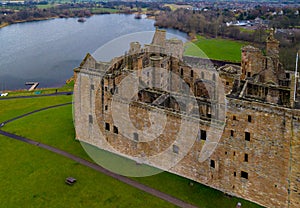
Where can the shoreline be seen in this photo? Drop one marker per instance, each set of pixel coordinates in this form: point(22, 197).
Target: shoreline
point(5, 24)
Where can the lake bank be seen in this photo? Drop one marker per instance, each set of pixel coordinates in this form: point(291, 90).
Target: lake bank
point(5, 24)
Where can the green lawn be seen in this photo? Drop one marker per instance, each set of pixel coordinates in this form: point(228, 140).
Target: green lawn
point(55, 127)
point(11, 108)
point(215, 48)
point(34, 177)
point(66, 88)
point(59, 131)
point(102, 10)
point(246, 30)
point(45, 6)
point(197, 194)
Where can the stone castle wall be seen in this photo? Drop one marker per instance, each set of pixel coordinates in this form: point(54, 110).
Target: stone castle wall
point(256, 156)
point(272, 165)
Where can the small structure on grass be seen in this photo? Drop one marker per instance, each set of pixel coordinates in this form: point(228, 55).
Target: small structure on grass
point(70, 180)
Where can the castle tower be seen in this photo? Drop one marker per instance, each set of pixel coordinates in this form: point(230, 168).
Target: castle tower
point(135, 47)
point(159, 38)
point(273, 64)
point(272, 45)
point(251, 61)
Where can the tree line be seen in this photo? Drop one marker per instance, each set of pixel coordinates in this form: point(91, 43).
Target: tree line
point(213, 23)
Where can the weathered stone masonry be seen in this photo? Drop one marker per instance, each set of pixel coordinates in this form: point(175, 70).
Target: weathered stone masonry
point(258, 154)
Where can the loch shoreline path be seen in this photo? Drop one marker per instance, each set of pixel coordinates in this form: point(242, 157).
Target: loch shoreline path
point(89, 164)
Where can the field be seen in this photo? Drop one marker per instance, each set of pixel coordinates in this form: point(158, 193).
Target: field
point(11, 108)
point(40, 174)
point(66, 88)
point(176, 6)
point(45, 6)
point(215, 48)
point(33, 177)
point(246, 30)
point(103, 10)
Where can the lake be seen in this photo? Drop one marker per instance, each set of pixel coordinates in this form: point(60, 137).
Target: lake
point(47, 51)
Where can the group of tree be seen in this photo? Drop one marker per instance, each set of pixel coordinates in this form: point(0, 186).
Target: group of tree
point(210, 22)
point(278, 17)
point(31, 12)
point(213, 23)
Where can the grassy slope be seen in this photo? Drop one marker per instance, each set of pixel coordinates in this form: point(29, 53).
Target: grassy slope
point(60, 133)
point(216, 48)
point(34, 177)
point(15, 107)
point(100, 10)
point(66, 88)
point(45, 6)
point(53, 127)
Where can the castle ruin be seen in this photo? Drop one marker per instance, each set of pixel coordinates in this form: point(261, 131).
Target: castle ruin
point(254, 108)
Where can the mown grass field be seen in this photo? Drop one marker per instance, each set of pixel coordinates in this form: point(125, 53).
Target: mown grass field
point(36, 177)
point(215, 48)
point(242, 29)
point(102, 10)
point(10, 108)
point(45, 6)
point(66, 88)
point(174, 7)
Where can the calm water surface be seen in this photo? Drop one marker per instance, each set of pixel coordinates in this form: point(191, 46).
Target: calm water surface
point(47, 51)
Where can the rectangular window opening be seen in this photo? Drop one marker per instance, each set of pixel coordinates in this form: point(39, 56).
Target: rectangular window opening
point(234, 118)
point(106, 107)
point(249, 118)
point(247, 136)
point(116, 130)
point(231, 133)
point(212, 164)
point(244, 174)
point(203, 134)
point(175, 149)
point(135, 136)
point(90, 119)
point(107, 127)
point(246, 158)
